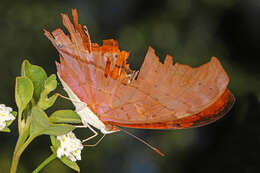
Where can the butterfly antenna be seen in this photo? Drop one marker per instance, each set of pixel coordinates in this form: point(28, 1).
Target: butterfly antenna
point(144, 142)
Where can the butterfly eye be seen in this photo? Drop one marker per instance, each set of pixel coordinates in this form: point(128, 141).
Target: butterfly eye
point(115, 55)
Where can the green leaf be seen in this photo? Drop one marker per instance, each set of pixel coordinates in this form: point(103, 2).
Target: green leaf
point(37, 75)
point(65, 116)
point(69, 163)
point(6, 129)
point(58, 129)
point(41, 124)
point(50, 84)
point(23, 92)
point(39, 121)
point(46, 102)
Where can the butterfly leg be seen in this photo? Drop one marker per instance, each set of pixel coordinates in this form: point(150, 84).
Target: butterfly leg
point(70, 99)
point(91, 137)
point(93, 145)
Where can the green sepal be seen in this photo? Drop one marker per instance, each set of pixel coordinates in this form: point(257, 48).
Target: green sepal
point(55, 143)
point(14, 113)
point(9, 122)
point(6, 129)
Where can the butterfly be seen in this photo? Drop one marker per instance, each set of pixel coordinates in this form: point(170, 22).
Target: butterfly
point(159, 96)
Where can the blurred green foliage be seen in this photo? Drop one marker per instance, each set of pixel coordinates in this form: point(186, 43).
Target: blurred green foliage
point(192, 32)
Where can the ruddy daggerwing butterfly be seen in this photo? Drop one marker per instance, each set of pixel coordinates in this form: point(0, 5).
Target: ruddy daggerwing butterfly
point(163, 96)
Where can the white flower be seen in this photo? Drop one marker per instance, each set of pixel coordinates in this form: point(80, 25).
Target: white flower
point(5, 115)
point(70, 146)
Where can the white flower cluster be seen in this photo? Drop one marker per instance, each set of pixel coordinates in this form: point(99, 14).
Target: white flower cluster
point(70, 146)
point(5, 115)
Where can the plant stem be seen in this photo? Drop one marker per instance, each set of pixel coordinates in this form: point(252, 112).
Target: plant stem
point(19, 121)
point(24, 134)
point(18, 152)
point(45, 162)
point(15, 160)
point(21, 139)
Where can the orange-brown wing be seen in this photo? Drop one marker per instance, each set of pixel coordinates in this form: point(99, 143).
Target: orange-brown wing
point(207, 116)
point(163, 93)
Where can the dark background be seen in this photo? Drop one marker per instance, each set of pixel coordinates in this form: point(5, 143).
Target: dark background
point(191, 31)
